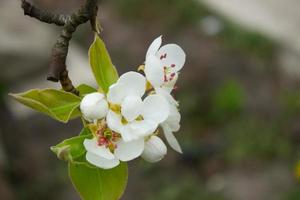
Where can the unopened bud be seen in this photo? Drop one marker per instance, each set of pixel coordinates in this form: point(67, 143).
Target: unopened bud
point(154, 150)
point(94, 106)
point(63, 153)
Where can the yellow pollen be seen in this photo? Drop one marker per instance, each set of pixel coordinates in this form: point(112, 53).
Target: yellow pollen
point(139, 118)
point(124, 121)
point(115, 107)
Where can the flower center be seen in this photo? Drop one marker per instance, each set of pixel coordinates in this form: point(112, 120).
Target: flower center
point(108, 138)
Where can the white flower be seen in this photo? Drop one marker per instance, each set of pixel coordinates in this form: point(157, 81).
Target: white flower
point(163, 64)
point(94, 106)
point(154, 150)
point(131, 116)
point(107, 151)
point(172, 124)
point(162, 67)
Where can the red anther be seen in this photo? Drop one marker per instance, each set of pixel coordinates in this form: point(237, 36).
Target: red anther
point(173, 65)
point(163, 56)
point(102, 141)
point(173, 74)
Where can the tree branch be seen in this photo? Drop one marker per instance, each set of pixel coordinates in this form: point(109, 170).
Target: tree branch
point(43, 15)
point(58, 69)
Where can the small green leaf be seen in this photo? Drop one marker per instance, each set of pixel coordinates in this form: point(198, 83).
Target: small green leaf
point(58, 104)
point(70, 149)
point(99, 184)
point(85, 89)
point(85, 131)
point(104, 71)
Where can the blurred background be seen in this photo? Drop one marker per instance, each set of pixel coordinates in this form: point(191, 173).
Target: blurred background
point(239, 94)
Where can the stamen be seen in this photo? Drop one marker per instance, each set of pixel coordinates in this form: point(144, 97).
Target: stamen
point(165, 78)
point(115, 136)
point(102, 141)
point(173, 75)
point(173, 65)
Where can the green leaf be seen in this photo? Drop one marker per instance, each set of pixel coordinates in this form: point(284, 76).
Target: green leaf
point(85, 89)
point(71, 148)
point(58, 104)
point(102, 67)
point(99, 184)
point(85, 131)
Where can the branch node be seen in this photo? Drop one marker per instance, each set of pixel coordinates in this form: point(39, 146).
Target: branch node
point(58, 69)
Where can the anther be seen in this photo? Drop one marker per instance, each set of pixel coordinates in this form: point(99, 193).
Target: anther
point(163, 56)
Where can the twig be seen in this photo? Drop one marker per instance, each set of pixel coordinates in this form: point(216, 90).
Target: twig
point(43, 15)
point(58, 69)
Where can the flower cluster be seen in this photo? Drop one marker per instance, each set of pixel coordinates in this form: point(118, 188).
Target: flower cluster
point(125, 121)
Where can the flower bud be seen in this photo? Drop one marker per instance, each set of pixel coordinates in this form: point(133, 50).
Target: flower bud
point(154, 150)
point(94, 106)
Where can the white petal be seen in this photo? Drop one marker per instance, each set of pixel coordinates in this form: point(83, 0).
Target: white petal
point(155, 108)
point(171, 138)
point(101, 151)
point(126, 151)
point(154, 71)
point(101, 162)
point(143, 128)
point(153, 48)
point(173, 120)
point(131, 107)
point(135, 83)
point(128, 134)
point(94, 106)
point(116, 93)
point(130, 83)
point(174, 56)
point(167, 95)
point(154, 150)
point(114, 121)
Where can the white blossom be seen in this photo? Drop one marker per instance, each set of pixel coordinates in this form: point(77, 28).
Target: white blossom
point(162, 64)
point(162, 68)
